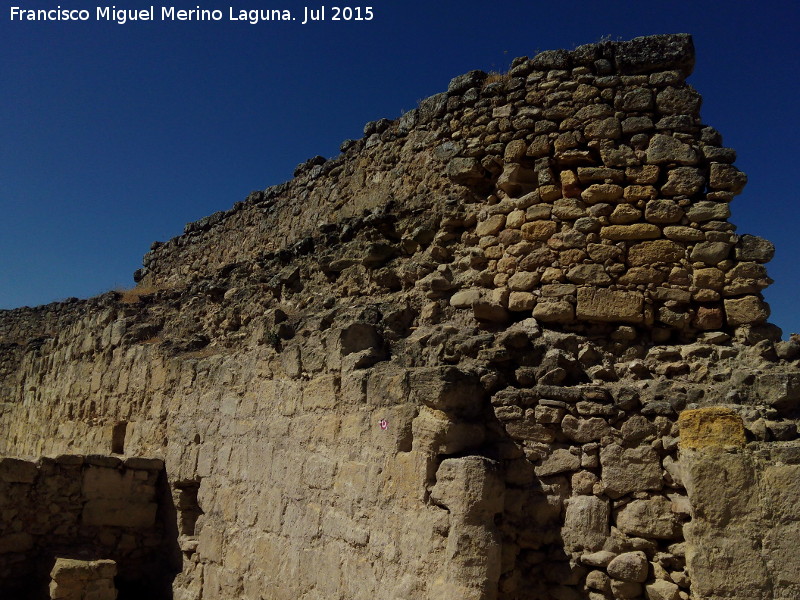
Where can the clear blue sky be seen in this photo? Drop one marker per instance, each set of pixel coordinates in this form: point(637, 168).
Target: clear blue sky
point(114, 136)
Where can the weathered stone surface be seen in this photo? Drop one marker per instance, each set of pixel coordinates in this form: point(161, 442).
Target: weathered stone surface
point(658, 52)
point(586, 524)
point(754, 248)
point(711, 427)
point(629, 566)
point(554, 311)
point(727, 177)
point(627, 470)
point(710, 253)
point(662, 590)
point(651, 518)
point(667, 149)
point(609, 305)
point(657, 251)
point(14, 470)
point(663, 211)
point(746, 310)
point(639, 231)
point(683, 181)
point(584, 430)
point(466, 171)
point(559, 461)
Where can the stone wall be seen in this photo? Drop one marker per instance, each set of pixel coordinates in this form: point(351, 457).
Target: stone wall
point(595, 194)
point(449, 363)
point(87, 507)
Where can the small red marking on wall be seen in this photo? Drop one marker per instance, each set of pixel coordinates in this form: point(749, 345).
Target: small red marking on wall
point(384, 424)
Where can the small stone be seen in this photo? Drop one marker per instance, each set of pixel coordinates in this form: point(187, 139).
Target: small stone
point(601, 192)
point(589, 274)
point(661, 589)
point(521, 301)
point(726, 177)
point(754, 248)
point(667, 149)
point(491, 226)
point(683, 181)
point(705, 210)
point(749, 310)
point(663, 211)
point(559, 461)
point(639, 231)
point(598, 559)
point(554, 311)
point(630, 566)
point(651, 518)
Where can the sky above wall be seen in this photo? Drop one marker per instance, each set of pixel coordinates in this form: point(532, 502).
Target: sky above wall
point(114, 136)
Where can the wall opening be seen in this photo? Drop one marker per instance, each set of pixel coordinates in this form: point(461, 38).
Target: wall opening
point(189, 510)
point(118, 437)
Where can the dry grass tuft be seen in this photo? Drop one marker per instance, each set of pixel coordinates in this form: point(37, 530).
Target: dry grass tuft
point(134, 295)
point(496, 76)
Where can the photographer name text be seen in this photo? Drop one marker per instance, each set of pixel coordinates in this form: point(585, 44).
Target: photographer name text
point(122, 16)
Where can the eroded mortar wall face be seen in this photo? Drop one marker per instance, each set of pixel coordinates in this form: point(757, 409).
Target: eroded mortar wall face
point(353, 416)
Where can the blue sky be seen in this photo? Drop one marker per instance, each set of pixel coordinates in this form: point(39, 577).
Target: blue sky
point(114, 136)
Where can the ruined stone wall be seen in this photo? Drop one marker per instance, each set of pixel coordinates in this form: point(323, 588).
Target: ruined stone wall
point(90, 507)
point(597, 195)
point(472, 389)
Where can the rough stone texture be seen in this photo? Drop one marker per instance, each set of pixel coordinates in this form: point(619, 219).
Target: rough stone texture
point(83, 580)
point(712, 426)
point(448, 363)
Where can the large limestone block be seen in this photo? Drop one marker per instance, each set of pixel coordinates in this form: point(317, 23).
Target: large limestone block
point(586, 525)
point(107, 483)
point(727, 563)
point(722, 485)
point(448, 389)
point(780, 542)
point(16, 542)
point(321, 392)
point(83, 580)
point(435, 433)
point(713, 426)
point(470, 487)
point(627, 470)
point(15, 470)
point(119, 514)
point(599, 304)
